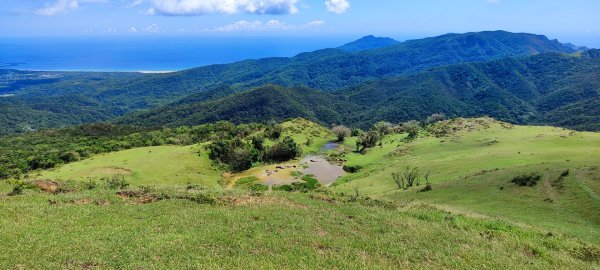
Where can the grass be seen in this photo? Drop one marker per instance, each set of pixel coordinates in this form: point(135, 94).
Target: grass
point(264, 230)
point(474, 217)
point(472, 170)
point(159, 165)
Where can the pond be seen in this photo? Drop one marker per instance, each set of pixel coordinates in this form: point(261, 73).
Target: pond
point(316, 165)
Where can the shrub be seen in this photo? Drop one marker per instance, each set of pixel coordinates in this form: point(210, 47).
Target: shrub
point(4, 173)
point(90, 184)
point(283, 150)
point(351, 168)
point(367, 140)
point(356, 132)
point(412, 128)
point(258, 143)
point(341, 132)
point(406, 178)
point(115, 182)
point(383, 128)
point(274, 131)
point(527, 179)
point(564, 173)
point(70, 156)
point(436, 117)
point(18, 188)
point(236, 154)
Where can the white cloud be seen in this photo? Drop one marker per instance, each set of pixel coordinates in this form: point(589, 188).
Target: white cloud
point(64, 6)
point(268, 26)
point(200, 7)
point(337, 6)
point(151, 28)
point(58, 7)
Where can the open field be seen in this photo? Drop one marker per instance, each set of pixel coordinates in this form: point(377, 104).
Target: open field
point(178, 212)
point(471, 169)
point(158, 165)
point(95, 229)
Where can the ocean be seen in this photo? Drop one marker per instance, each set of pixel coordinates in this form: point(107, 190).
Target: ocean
point(153, 54)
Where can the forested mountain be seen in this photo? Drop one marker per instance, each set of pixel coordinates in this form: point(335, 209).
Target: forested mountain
point(368, 43)
point(550, 88)
point(51, 99)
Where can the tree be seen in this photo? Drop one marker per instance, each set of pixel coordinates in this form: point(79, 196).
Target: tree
point(367, 140)
point(341, 132)
point(384, 128)
point(274, 131)
point(412, 128)
point(283, 150)
point(436, 117)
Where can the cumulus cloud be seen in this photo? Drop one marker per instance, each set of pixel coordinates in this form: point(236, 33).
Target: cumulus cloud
point(337, 6)
point(268, 26)
point(200, 7)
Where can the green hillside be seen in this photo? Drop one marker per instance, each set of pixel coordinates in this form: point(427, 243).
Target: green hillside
point(176, 205)
point(546, 89)
point(472, 165)
point(54, 99)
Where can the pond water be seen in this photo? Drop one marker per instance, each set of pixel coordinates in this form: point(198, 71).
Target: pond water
point(287, 173)
point(322, 170)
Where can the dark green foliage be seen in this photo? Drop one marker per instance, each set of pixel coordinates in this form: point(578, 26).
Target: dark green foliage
point(18, 188)
point(351, 169)
point(236, 154)
point(529, 180)
point(564, 173)
point(258, 143)
point(81, 97)
point(274, 131)
point(283, 150)
point(46, 149)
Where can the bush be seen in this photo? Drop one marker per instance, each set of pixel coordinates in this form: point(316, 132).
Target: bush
point(527, 179)
point(412, 128)
point(115, 182)
point(436, 117)
point(274, 131)
point(407, 178)
point(351, 168)
point(236, 154)
point(367, 140)
point(383, 128)
point(341, 132)
point(4, 173)
point(283, 150)
point(18, 188)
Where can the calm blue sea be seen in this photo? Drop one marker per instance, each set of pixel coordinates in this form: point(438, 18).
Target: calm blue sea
point(147, 53)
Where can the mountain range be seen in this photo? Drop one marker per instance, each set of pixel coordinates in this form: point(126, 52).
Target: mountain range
point(515, 77)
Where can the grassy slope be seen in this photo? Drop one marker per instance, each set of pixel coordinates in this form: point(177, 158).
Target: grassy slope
point(159, 165)
point(471, 170)
point(167, 165)
point(277, 230)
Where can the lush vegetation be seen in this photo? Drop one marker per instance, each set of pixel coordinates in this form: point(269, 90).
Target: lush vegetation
point(547, 89)
point(55, 99)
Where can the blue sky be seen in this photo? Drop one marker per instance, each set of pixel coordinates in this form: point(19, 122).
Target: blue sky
point(575, 21)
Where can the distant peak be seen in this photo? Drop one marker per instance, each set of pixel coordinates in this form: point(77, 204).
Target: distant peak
point(369, 42)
